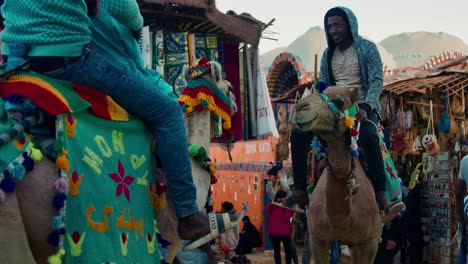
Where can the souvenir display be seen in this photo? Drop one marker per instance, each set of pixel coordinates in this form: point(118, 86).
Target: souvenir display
point(435, 209)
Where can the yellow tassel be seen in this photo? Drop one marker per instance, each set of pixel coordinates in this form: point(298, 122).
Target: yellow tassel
point(35, 154)
point(56, 258)
point(227, 124)
point(62, 161)
point(70, 128)
point(212, 167)
point(348, 121)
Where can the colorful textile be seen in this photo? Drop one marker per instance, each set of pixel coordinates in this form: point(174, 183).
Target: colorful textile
point(158, 52)
point(111, 198)
point(206, 45)
point(11, 151)
point(230, 53)
point(392, 181)
point(176, 54)
point(201, 94)
point(57, 97)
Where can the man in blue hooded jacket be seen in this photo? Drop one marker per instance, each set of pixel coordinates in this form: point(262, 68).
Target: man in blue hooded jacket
point(352, 62)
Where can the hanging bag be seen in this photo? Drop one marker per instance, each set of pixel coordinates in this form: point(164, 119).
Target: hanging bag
point(429, 141)
point(399, 142)
point(447, 123)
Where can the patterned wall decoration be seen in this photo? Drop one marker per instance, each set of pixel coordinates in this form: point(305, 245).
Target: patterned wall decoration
point(176, 58)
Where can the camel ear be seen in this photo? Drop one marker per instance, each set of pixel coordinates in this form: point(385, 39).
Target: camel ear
point(216, 71)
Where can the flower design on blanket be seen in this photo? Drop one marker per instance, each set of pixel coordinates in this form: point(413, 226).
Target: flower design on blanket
point(123, 181)
point(389, 170)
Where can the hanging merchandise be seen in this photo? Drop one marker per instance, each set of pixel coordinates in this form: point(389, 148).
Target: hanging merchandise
point(447, 124)
point(458, 101)
point(265, 117)
point(282, 148)
point(398, 141)
point(408, 119)
point(429, 141)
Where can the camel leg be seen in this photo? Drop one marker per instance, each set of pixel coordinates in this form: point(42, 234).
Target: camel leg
point(365, 253)
point(14, 245)
point(320, 250)
point(35, 193)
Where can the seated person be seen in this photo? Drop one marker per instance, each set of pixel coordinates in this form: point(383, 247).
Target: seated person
point(229, 238)
point(249, 238)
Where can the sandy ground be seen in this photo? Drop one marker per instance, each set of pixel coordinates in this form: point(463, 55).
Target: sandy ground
point(266, 257)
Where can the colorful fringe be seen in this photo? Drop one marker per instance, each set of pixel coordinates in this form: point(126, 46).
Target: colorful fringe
point(62, 187)
point(202, 94)
point(17, 169)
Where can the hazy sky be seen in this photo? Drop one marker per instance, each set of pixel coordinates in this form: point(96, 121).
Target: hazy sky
point(377, 19)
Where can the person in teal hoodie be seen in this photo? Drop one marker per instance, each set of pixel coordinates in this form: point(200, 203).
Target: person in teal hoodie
point(351, 61)
point(121, 43)
point(56, 37)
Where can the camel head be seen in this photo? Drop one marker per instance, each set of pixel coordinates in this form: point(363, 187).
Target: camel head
point(323, 113)
point(212, 71)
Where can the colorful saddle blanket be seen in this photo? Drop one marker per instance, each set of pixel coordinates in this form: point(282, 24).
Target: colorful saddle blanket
point(106, 190)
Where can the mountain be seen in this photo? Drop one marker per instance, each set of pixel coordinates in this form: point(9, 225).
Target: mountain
point(312, 42)
point(413, 49)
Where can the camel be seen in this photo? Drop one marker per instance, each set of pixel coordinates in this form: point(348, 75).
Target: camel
point(332, 215)
point(27, 212)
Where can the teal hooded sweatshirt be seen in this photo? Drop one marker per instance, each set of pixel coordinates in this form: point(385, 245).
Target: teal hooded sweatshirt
point(58, 27)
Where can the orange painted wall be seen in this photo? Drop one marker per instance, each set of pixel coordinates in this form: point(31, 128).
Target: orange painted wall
point(241, 182)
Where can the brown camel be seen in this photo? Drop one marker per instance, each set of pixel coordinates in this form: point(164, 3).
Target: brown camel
point(26, 214)
point(332, 217)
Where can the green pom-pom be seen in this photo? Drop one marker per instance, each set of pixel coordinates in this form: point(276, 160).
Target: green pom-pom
point(202, 155)
point(193, 150)
point(204, 103)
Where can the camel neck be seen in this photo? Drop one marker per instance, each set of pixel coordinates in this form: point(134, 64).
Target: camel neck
point(339, 159)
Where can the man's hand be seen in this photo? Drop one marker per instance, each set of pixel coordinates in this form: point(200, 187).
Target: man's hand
point(391, 245)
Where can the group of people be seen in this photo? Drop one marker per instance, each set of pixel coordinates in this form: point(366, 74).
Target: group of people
point(239, 243)
point(92, 42)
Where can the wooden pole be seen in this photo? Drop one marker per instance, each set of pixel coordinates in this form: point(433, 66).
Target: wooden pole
point(315, 68)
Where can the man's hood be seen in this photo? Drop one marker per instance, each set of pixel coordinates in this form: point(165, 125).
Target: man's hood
point(353, 24)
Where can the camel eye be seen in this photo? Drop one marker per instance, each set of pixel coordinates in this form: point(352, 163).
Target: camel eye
point(339, 103)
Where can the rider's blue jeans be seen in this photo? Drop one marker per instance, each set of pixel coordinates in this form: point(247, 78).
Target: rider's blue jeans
point(163, 116)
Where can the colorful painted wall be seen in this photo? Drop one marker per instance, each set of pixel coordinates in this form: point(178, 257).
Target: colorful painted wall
point(241, 182)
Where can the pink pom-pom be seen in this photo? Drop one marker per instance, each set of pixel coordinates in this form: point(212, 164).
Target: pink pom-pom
point(353, 146)
point(3, 196)
point(61, 185)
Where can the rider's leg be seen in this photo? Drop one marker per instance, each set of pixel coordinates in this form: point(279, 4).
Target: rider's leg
point(163, 117)
point(299, 142)
point(369, 141)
